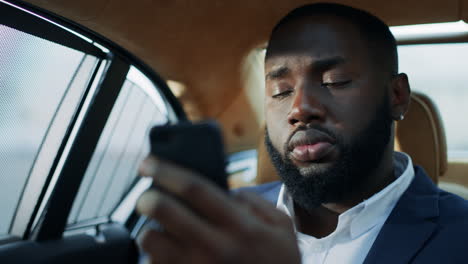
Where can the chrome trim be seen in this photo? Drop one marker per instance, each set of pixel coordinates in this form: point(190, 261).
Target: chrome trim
point(83, 226)
point(149, 88)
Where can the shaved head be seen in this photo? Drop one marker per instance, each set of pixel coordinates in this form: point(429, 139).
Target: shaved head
point(380, 41)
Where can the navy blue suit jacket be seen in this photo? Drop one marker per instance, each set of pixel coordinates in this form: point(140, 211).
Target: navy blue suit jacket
point(427, 225)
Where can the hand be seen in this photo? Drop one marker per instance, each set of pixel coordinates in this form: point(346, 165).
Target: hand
point(206, 225)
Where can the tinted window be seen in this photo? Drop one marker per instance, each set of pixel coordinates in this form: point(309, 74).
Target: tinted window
point(41, 84)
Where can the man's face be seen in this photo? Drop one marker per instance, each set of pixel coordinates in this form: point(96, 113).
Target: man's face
point(327, 109)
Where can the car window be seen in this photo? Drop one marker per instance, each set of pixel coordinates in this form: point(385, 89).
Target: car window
point(242, 168)
point(121, 147)
point(439, 70)
point(41, 84)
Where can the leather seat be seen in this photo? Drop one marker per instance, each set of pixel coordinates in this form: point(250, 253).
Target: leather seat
point(421, 134)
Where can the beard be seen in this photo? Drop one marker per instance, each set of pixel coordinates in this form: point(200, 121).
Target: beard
point(312, 186)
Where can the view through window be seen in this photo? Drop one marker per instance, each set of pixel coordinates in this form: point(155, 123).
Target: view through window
point(40, 82)
point(440, 71)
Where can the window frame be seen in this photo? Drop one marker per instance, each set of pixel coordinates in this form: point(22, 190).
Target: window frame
point(52, 205)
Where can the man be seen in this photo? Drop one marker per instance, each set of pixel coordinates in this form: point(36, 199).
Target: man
point(332, 94)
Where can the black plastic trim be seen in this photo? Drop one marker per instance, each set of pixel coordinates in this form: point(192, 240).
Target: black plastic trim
point(94, 174)
point(110, 244)
point(22, 21)
point(56, 214)
point(62, 148)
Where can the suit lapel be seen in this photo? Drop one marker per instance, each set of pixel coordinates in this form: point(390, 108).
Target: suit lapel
point(409, 226)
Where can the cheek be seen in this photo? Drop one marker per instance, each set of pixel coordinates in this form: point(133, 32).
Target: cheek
point(277, 123)
point(354, 113)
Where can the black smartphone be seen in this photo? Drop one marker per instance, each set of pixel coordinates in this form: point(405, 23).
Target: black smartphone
point(195, 146)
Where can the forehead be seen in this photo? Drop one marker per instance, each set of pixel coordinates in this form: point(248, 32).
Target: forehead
point(318, 37)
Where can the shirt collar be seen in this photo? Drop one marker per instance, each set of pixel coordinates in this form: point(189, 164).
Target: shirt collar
point(362, 217)
point(379, 206)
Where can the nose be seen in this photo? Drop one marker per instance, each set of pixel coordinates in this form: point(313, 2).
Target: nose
point(306, 107)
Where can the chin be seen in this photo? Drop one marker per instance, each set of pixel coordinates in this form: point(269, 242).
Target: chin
point(313, 169)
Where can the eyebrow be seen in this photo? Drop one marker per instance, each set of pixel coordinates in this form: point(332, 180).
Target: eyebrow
point(278, 73)
point(321, 65)
point(328, 63)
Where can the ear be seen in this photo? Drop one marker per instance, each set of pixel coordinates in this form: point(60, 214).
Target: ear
point(400, 96)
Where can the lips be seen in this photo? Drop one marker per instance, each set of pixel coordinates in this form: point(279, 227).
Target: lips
point(310, 145)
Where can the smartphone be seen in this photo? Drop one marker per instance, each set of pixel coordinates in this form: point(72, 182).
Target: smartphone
point(195, 146)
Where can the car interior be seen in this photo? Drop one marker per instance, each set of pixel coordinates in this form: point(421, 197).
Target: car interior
point(82, 82)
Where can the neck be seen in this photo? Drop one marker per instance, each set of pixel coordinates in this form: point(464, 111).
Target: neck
point(323, 220)
point(378, 179)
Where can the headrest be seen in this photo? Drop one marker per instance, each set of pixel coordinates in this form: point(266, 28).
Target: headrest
point(420, 134)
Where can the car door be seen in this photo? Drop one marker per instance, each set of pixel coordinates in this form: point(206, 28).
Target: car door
point(75, 110)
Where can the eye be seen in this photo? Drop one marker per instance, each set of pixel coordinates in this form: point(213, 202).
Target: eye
point(280, 90)
point(282, 95)
point(336, 85)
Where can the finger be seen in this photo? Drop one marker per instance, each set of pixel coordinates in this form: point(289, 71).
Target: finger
point(262, 208)
point(161, 247)
point(176, 219)
point(200, 194)
point(147, 166)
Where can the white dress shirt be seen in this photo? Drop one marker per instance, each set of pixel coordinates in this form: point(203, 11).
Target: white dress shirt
point(357, 227)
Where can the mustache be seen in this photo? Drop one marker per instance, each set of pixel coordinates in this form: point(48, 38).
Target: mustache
point(310, 135)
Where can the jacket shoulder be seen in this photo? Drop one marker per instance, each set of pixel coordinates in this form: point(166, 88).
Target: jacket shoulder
point(452, 209)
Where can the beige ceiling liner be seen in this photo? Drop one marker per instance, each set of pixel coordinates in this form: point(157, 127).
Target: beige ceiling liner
point(205, 44)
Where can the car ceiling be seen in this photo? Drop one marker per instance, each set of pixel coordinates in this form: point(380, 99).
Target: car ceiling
point(209, 45)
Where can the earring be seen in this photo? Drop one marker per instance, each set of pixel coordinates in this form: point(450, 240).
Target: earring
point(401, 117)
